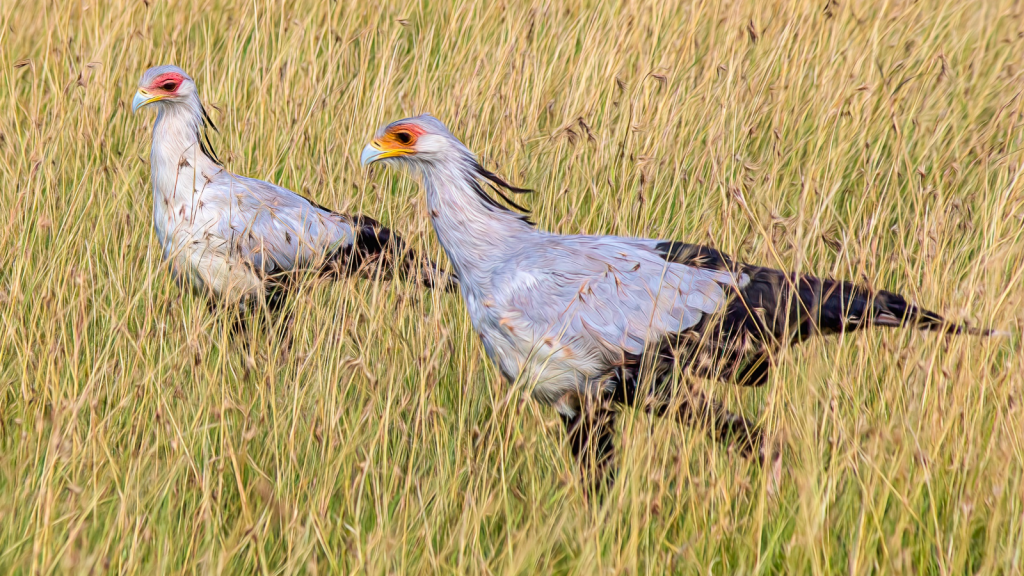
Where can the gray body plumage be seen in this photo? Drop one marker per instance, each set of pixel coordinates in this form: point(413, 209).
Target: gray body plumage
point(229, 235)
point(556, 312)
point(560, 311)
point(590, 321)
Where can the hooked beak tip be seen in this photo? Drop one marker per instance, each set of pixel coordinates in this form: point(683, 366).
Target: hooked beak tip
point(141, 99)
point(370, 155)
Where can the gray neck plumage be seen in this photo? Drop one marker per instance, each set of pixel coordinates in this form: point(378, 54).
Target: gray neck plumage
point(179, 139)
point(475, 231)
point(180, 161)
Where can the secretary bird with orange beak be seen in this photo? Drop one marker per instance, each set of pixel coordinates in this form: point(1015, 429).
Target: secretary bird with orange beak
point(240, 239)
point(591, 322)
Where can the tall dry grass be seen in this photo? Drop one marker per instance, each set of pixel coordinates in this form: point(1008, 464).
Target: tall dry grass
point(880, 142)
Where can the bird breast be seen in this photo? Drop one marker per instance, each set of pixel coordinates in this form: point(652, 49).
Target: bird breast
point(187, 214)
point(548, 363)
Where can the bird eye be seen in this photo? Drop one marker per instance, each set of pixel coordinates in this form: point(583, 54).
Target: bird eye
point(169, 86)
point(403, 137)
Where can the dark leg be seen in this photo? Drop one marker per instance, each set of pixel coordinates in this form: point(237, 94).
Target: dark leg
point(234, 316)
point(693, 407)
point(285, 333)
point(238, 318)
point(590, 433)
point(281, 318)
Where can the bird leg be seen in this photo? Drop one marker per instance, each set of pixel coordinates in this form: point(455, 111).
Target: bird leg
point(286, 334)
point(694, 408)
point(234, 316)
point(238, 318)
point(590, 426)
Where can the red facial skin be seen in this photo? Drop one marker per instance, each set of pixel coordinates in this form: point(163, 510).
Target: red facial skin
point(391, 136)
point(166, 83)
point(412, 128)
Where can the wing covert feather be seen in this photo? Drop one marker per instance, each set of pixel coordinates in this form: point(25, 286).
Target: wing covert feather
point(614, 292)
point(275, 229)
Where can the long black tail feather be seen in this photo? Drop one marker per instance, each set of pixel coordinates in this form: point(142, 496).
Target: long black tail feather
point(776, 305)
point(832, 306)
point(769, 308)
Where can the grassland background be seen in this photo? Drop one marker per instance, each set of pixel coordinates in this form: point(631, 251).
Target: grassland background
point(878, 141)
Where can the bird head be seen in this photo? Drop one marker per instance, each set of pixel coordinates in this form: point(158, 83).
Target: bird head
point(166, 84)
point(424, 144)
point(419, 141)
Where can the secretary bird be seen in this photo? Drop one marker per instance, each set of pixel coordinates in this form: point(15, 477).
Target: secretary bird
point(596, 321)
point(240, 239)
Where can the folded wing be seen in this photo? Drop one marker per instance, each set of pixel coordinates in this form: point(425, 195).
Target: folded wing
point(607, 298)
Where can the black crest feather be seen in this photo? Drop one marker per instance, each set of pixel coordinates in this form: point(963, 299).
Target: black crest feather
point(204, 137)
point(496, 183)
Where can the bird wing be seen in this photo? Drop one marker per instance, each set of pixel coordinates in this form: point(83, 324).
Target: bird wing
point(619, 294)
point(274, 229)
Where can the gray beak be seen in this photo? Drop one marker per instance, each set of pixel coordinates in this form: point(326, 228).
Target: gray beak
point(143, 98)
point(370, 155)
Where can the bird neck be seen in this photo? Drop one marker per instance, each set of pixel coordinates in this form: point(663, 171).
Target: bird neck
point(474, 234)
point(177, 137)
point(179, 165)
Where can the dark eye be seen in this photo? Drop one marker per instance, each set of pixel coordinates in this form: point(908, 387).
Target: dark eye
point(169, 86)
point(403, 137)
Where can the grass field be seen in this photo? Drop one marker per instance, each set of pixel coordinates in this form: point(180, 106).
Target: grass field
point(876, 141)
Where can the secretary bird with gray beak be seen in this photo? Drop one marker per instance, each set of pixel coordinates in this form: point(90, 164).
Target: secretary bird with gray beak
point(240, 239)
point(591, 322)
